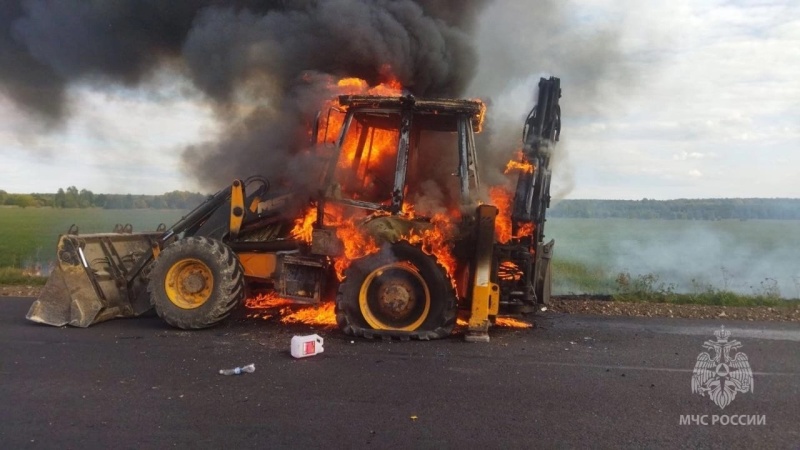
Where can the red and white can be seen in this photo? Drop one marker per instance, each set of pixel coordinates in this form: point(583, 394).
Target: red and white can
point(303, 346)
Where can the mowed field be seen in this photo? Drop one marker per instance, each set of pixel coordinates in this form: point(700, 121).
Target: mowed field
point(746, 257)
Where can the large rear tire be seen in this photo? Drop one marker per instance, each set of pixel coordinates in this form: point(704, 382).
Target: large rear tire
point(399, 292)
point(196, 282)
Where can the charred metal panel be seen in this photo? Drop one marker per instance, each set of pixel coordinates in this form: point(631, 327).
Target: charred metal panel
point(439, 106)
point(301, 278)
point(402, 162)
point(463, 159)
point(325, 242)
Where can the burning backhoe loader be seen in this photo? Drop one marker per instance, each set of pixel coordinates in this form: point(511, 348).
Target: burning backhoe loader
point(398, 246)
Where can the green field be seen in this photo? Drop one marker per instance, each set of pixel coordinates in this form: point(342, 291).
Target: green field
point(28, 236)
point(754, 257)
point(750, 257)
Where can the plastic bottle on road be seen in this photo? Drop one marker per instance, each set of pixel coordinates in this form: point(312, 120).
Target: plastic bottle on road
point(250, 368)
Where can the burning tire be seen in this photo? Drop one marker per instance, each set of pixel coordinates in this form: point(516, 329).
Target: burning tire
point(196, 282)
point(400, 292)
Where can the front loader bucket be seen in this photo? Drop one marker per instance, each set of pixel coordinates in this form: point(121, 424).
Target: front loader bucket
point(98, 277)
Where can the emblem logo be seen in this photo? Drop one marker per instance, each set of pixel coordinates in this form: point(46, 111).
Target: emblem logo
point(722, 376)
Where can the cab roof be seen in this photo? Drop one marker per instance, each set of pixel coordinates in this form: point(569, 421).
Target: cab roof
point(436, 113)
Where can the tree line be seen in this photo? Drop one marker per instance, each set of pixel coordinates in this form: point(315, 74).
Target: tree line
point(684, 209)
point(74, 198)
point(681, 209)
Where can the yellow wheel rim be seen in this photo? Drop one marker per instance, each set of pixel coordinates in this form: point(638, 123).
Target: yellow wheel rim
point(189, 283)
point(394, 297)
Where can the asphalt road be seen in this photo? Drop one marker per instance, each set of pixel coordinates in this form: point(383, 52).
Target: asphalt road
point(571, 381)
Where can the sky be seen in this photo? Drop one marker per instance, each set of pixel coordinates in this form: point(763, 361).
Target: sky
point(660, 100)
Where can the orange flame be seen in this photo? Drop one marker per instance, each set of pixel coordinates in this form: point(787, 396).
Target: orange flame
point(502, 322)
point(481, 116)
point(304, 225)
point(437, 241)
point(332, 123)
point(508, 322)
point(521, 166)
point(322, 315)
point(266, 301)
point(356, 245)
point(503, 229)
point(509, 271)
point(526, 229)
point(378, 151)
point(360, 162)
point(391, 86)
point(501, 198)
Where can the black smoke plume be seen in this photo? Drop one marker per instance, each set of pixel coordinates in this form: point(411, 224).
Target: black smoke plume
point(262, 63)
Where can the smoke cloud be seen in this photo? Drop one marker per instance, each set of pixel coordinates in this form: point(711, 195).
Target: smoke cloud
point(518, 42)
point(46, 45)
point(263, 64)
point(266, 65)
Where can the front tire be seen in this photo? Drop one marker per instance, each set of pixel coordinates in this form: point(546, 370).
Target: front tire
point(400, 292)
point(196, 282)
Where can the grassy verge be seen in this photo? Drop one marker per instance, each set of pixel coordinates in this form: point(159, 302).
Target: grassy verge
point(12, 276)
point(571, 276)
point(648, 289)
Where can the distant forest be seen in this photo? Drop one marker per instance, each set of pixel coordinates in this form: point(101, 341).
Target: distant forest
point(73, 198)
point(686, 209)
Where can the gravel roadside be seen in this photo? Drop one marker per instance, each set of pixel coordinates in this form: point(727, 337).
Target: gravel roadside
point(602, 306)
point(19, 291)
point(571, 305)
